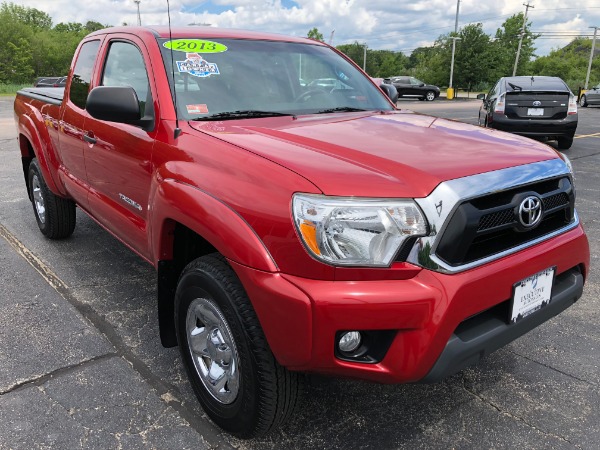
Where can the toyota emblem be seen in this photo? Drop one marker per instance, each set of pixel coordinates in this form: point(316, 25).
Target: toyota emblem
point(537, 103)
point(530, 211)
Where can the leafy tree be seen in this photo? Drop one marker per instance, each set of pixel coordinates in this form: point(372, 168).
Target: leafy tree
point(315, 34)
point(507, 43)
point(34, 18)
point(70, 27)
point(472, 57)
point(570, 63)
point(91, 26)
point(354, 51)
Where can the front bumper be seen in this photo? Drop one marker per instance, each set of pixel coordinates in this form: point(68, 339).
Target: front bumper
point(536, 127)
point(441, 322)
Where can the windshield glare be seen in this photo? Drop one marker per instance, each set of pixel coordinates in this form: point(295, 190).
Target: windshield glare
point(226, 75)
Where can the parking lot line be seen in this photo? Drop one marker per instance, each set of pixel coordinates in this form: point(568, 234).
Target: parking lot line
point(597, 135)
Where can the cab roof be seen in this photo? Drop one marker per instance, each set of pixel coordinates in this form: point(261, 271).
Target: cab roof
point(161, 31)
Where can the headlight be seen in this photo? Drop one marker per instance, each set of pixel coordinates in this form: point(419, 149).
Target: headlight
point(567, 162)
point(356, 232)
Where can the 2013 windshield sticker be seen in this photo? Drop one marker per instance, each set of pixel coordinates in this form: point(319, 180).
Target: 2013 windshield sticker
point(197, 66)
point(195, 45)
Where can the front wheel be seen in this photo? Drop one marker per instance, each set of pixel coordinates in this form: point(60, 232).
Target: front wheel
point(583, 101)
point(235, 376)
point(430, 96)
point(54, 215)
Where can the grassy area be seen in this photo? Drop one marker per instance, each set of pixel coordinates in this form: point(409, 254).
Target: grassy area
point(11, 89)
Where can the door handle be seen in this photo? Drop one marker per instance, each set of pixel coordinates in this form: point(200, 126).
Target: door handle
point(89, 137)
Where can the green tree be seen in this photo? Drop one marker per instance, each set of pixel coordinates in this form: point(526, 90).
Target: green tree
point(15, 53)
point(70, 27)
point(354, 51)
point(570, 63)
point(472, 57)
point(432, 64)
point(315, 34)
point(91, 26)
point(34, 18)
point(506, 44)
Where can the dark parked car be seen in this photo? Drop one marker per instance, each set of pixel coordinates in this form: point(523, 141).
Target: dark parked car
point(50, 82)
point(537, 107)
point(411, 87)
point(590, 97)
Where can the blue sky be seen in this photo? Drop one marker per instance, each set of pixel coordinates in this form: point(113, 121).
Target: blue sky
point(399, 25)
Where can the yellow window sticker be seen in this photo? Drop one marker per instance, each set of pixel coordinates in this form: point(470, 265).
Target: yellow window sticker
point(195, 46)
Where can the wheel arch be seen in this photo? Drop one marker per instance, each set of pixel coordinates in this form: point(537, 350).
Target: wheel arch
point(190, 223)
point(34, 143)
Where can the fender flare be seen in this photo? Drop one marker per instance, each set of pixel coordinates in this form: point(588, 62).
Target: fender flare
point(41, 146)
point(215, 221)
point(210, 218)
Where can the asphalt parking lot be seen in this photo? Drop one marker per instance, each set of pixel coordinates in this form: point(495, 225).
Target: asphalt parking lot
point(81, 365)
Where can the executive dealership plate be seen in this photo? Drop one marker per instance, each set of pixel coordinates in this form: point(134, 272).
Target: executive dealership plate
point(531, 294)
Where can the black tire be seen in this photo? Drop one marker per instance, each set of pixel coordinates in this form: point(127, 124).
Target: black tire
point(260, 395)
point(564, 143)
point(583, 101)
point(54, 215)
point(429, 96)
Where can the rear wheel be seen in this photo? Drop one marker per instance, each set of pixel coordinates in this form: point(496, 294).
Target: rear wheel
point(583, 101)
point(430, 96)
point(235, 376)
point(564, 143)
point(55, 215)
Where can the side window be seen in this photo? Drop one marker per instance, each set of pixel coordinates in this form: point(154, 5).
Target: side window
point(404, 80)
point(82, 73)
point(493, 91)
point(125, 67)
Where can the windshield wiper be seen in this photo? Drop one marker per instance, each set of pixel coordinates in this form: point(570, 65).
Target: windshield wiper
point(515, 87)
point(245, 114)
point(341, 109)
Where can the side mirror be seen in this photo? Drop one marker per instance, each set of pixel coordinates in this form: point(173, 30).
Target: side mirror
point(116, 104)
point(480, 96)
point(390, 91)
point(422, 84)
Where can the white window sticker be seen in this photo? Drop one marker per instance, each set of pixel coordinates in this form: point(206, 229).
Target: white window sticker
point(197, 66)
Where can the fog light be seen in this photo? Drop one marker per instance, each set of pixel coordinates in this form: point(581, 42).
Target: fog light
point(349, 341)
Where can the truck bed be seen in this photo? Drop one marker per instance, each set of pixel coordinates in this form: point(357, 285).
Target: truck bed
point(48, 95)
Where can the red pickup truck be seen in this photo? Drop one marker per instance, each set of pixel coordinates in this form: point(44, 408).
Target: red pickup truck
point(297, 220)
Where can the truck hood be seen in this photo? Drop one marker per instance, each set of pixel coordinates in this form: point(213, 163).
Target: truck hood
point(397, 154)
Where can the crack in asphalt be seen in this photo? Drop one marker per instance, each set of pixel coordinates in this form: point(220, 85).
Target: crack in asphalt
point(584, 156)
point(590, 383)
point(42, 379)
point(515, 417)
point(208, 431)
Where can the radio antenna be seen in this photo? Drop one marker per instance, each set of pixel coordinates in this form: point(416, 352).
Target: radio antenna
point(177, 129)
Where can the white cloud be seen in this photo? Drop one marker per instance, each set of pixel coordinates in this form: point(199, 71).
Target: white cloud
point(382, 24)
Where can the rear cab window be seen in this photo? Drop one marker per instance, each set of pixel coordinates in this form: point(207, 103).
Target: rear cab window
point(82, 73)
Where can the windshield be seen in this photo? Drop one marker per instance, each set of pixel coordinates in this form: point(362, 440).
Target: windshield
point(233, 78)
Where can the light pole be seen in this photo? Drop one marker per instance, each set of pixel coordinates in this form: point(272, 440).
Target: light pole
point(527, 6)
point(365, 57)
point(454, 39)
point(450, 88)
point(137, 2)
point(587, 77)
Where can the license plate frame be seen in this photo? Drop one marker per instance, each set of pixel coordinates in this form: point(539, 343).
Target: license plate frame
point(531, 294)
point(536, 112)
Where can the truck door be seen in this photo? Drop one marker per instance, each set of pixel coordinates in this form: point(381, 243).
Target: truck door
point(118, 157)
point(72, 165)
